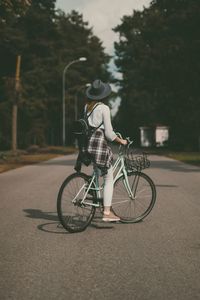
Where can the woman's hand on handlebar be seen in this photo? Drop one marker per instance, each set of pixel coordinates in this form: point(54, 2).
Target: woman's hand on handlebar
point(123, 142)
point(126, 142)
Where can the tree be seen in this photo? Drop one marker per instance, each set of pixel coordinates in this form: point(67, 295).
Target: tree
point(76, 40)
point(47, 41)
point(11, 44)
point(159, 55)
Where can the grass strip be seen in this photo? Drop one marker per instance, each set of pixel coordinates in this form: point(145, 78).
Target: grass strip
point(186, 157)
point(10, 160)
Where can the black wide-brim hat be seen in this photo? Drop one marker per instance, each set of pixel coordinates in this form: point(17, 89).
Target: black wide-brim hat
point(98, 90)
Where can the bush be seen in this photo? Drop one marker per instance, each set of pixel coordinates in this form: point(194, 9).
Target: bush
point(33, 149)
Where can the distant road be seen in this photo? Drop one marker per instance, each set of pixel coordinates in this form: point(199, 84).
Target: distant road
point(155, 259)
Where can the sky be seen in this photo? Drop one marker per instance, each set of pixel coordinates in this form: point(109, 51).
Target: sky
point(102, 16)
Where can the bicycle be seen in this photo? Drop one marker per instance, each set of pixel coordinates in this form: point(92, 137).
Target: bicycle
point(134, 192)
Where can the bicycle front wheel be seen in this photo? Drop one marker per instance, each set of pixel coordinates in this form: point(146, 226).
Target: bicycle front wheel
point(134, 207)
point(74, 213)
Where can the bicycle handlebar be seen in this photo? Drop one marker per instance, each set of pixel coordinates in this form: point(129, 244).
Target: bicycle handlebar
point(125, 147)
point(129, 141)
point(119, 135)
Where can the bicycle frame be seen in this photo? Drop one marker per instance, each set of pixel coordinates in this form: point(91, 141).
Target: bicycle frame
point(118, 168)
point(133, 198)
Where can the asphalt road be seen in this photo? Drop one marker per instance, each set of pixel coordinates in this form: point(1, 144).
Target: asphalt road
point(155, 259)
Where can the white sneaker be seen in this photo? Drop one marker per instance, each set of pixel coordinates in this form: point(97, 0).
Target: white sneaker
point(110, 217)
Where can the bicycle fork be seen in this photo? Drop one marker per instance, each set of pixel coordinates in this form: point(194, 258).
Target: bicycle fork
point(123, 171)
point(133, 188)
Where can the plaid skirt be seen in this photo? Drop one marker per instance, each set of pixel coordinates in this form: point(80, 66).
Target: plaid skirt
point(100, 152)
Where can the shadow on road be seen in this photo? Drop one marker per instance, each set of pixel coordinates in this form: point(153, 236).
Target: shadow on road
point(51, 227)
point(39, 214)
point(56, 227)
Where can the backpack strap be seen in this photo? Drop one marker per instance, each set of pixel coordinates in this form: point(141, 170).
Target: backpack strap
point(87, 116)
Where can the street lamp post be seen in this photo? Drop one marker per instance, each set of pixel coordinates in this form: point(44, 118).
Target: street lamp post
point(63, 92)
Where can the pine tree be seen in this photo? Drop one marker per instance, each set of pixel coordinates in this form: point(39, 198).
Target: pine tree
point(159, 54)
point(47, 41)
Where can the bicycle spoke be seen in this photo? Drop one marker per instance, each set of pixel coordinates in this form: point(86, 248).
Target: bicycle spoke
point(73, 213)
point(133, 209)
point(122, 201)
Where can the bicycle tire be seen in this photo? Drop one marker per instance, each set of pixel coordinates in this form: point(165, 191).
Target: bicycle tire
point(124, 206)
point(74, 215)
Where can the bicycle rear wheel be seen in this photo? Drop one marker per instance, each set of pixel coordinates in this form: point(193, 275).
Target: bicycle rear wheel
point(74, 215)
point(132, 209)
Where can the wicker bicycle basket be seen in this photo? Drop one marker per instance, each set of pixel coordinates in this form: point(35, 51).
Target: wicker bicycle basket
point(137, 162)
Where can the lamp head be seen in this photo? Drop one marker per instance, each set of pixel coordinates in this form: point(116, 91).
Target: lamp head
point(82, 59)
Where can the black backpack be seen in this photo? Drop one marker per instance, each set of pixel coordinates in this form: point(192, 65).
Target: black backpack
point(82, 132)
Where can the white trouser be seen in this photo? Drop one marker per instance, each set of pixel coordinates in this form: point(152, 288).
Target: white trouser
point(108, 186)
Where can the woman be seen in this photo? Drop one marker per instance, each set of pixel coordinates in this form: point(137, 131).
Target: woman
point(97, 95)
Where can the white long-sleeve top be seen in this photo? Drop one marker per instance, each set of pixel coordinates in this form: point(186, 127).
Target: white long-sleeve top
point(100, 114)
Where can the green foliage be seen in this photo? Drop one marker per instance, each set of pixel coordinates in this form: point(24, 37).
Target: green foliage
point(159, 57)
point(47, 41)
